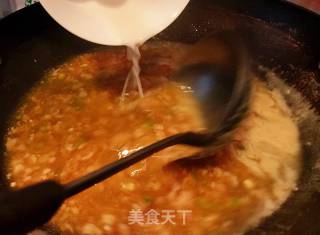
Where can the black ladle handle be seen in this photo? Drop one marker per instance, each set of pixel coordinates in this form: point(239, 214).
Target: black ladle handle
point(25, 209)
point(80, 184)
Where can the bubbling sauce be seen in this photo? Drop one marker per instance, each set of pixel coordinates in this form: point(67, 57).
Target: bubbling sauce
point(73, 123)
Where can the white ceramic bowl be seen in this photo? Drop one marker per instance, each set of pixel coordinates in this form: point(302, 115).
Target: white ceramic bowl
point(115, 22)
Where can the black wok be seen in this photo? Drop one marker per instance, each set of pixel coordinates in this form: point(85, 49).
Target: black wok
point(281, 36)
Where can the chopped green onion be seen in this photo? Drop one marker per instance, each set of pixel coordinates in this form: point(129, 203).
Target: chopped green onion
point(205, 203)
point(148, 200)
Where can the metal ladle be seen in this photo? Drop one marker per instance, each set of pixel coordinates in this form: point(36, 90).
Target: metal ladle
point(216, 69)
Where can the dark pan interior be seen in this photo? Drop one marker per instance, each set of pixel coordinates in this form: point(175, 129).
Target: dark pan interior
point(280, 36)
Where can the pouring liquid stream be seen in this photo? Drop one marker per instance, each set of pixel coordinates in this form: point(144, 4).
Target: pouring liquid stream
point(133, 80)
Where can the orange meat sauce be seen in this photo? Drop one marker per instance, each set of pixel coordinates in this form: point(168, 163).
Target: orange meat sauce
point(74, 122)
